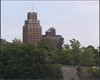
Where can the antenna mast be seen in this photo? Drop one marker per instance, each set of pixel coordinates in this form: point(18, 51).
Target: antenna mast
point(32, 6)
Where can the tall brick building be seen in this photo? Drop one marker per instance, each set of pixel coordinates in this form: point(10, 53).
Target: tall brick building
point(32, 31)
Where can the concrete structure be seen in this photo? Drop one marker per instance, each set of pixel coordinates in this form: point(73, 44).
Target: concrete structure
point(32, 31)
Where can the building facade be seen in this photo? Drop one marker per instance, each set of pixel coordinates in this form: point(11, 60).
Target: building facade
point(32, 31)
point(51, 35)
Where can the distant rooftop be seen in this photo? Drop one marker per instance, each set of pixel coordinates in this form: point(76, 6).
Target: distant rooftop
point(50, 29)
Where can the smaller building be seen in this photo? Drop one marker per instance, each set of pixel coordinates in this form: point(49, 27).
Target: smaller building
point(51, 35)
point(2, 42)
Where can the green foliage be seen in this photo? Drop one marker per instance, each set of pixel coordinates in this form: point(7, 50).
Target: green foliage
point(66, 46)
point(75, 43)
point(26, 61)
point(66, 57)
point(60, 43)
point(54, 69)
point(95, 72)
point(16, 41)
point(45, 44)
point(96, 53)
point(74, 55)
point(71, 55)
point(2, 42)
point(87, 57)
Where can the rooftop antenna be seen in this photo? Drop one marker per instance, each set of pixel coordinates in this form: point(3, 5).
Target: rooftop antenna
point(32, 6)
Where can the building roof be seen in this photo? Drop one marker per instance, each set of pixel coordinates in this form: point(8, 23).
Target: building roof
point(50, 29)
point(52, 37)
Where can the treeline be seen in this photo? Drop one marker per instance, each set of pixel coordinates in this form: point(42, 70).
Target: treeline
point(26, 61)
point(74, 54)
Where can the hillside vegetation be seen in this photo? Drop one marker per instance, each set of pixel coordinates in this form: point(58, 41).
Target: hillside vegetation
point(27, 61)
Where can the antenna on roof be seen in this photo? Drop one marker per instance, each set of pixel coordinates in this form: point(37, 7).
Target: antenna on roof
point(32, 6)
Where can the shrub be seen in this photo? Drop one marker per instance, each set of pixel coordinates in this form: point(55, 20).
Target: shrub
point(95, 72)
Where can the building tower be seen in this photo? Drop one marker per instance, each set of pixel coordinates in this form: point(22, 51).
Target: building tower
point(32, 31)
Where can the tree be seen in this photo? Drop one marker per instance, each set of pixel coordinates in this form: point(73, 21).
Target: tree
point(75, 46)
point(87, 57)
point(66, 46)
point(2, 43)
point(45, 44)
point(66, 57)
point(75, 43)
point(71, 53)
point(60, 43)
point(16, 41)
point(26, 61)
point(96, 53)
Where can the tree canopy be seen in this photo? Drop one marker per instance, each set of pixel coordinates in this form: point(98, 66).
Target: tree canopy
point(26, 61)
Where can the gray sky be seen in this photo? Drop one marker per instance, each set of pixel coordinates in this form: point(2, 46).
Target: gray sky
point(71, 19)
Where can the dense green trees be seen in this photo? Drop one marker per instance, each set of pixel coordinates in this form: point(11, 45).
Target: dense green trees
point(74, 54)
point(26, 61)
point(95, 71)
point(87, 57)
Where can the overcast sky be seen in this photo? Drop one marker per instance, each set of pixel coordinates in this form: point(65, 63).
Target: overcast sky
point(71, 19)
